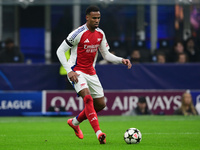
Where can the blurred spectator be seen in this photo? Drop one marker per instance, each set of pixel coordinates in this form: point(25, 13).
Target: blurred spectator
point(141, 108)
point(187, 107)
point(56, 109)
point(177, 49)
point(164, 47)
point(11, 53)
point(135, 57)
point(161, 58)
point(192, 51)
point(182, 58)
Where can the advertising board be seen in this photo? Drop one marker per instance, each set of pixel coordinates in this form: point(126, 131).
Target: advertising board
point(117, 101)
point(15, 103)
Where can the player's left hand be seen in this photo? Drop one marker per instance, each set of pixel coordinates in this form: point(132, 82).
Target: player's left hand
point(127, 63)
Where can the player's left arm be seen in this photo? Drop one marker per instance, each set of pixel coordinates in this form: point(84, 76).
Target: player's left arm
point(115, 59)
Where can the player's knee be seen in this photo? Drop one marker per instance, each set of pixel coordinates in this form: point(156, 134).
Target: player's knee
point(102, 106)
point(87, 99)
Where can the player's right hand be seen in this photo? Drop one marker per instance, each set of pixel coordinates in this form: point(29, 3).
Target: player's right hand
point(73, 76)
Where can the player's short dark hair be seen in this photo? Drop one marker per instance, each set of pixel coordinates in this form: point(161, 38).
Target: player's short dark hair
point(92, 9)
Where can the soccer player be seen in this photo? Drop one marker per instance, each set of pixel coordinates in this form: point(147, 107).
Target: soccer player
point(84, 43)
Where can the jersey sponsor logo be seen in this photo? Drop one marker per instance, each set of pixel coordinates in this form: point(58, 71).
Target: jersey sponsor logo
point(91, 48)
point(86, 41)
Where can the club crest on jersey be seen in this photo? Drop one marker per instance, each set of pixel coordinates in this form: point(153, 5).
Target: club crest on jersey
point(98, 39)
point(86, 41)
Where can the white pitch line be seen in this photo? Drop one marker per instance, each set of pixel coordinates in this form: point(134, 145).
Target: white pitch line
point(175, 133)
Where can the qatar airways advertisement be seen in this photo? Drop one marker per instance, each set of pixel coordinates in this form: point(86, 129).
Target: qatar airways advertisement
point(118, 101)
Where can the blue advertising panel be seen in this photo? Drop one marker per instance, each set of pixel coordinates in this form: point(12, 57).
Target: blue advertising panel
point(15, 103)
point(195, 96)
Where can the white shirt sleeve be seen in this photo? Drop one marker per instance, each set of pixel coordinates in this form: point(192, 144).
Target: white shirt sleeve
point(104, 49)
point(61, 55)
point(72, 40)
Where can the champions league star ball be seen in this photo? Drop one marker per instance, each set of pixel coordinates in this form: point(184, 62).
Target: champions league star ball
point(132, 136)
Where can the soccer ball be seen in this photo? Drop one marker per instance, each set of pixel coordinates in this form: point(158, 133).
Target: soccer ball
point(132, 136)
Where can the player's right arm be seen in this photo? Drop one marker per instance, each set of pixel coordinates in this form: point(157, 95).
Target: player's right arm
point(65, 46)
point(69, 43)
point(61, 55)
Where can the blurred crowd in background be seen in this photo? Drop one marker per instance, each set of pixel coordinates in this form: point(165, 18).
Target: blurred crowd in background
point(119, 23)
point(181, 52)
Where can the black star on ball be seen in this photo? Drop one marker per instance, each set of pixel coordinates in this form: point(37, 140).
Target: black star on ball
point(136, 131)
point(138, 140)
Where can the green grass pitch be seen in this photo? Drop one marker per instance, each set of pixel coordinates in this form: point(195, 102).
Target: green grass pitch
point(53, 133)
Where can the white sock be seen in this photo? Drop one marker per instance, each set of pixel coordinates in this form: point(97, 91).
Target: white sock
point(98, 132)
point(75, 121)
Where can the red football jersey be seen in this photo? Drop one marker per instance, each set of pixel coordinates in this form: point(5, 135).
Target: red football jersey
point(84, 50)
